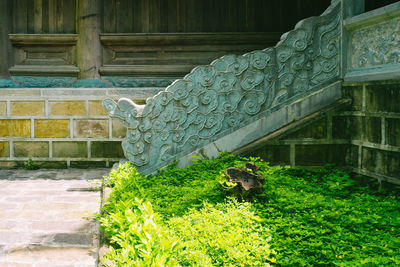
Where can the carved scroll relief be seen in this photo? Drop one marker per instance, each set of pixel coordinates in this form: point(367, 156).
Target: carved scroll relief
point(218, 98)
point(376, 45)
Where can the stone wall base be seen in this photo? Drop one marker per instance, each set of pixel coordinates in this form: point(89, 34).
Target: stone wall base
point(62, 127)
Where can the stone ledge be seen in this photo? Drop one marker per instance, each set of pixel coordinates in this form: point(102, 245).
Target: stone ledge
point(383, 72)
point(43, 38)
point(189, 38)
point(63, 93)
point(378, 176)
point(373, 16)
point(63, 70)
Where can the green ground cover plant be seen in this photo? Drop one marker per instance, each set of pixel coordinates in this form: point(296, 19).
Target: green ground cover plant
point(185, 217)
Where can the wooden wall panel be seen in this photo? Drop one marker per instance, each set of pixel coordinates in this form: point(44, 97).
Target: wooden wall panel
point(169, 16)
point(161, 55)
point(44, 16)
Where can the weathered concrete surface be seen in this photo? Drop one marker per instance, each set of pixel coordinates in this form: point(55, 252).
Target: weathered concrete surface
point(46, 217)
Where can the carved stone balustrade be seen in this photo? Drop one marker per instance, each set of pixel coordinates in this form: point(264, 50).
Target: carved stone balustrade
point(233, 91)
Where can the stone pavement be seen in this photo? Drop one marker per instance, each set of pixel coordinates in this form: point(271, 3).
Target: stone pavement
point(46, 217)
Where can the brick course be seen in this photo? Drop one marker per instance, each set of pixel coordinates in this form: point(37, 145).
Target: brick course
point(3, 108)
point(96, 108)
point(91, 128)
point(15, 128)
point(51, 128)
point(67, 108)
point(4, 149)
point(70, 149)
point(27, 108)
point(34, 149)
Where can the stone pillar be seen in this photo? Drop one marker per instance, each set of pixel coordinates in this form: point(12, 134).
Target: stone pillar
point(5, 44)
point(352, 8)
point(88, 46)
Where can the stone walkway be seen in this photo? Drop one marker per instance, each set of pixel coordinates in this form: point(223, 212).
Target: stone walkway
point(46, 217)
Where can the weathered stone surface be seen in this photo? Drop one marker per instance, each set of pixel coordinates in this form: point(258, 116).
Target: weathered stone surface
point(76, 92)
point(108, 149)
point(384, 97)
point(373, 160)
point(274, 154)
point(36, 223)
point(354, 156)
point(373, 130)
point(20, 128)
point(393, 132)
point(8, 164)
point(45, 82)
point(393, 164)
point(96, 108)
point(90, 83)
point(87, 164)
point(67, 108)
point(19, 92)
point(50, 256)
point(130, 82)
point(118, 130)
point(367, 50)
point(246, 179)
point(52, 164)
point(4, 149)
point(74, 239)
point(356, 94)
point(319, 155)
point(27, 108)
point(91, 128)
point(3, 108)
point(347, 127)
point(34, 149)
point(70, 149)
point(314, 130)
point(51, 128)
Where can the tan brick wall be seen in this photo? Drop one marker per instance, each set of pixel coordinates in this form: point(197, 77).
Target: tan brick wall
point(33, 149)
point(70, 149)
point(91, 128)
point(96, 108)
point(67, 108)
point(52, 128)
point(3, 108)
point(17, 128)
point(60, 127)
point(118, 130)
point(4, 149)
point(27, 108)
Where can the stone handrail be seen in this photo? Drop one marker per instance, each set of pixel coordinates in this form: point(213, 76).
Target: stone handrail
point(217, 99)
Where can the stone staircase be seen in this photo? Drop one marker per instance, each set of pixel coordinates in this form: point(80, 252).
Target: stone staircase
point(342, 66)
point(237, 100)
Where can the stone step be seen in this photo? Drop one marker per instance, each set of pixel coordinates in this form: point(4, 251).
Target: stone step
point(47, 217)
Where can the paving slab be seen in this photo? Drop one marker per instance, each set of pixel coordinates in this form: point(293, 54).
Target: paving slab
point(46, 217)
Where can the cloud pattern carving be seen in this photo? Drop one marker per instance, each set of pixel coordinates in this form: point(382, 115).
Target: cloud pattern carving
point(231, 92)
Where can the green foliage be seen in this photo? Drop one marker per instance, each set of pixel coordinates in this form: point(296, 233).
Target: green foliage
point(31, 165)
point(324, 217)
point(223, 235)
point(320, 217)
point(138, 237)
point(174, 190)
